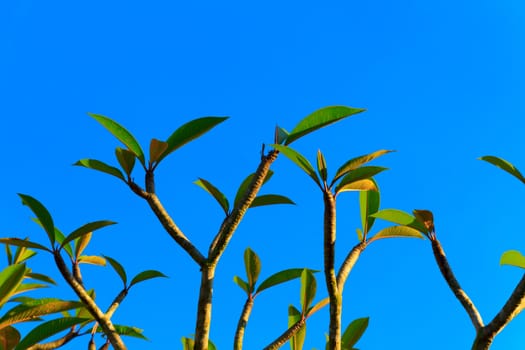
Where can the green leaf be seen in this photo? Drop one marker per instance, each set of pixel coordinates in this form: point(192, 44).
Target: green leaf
point(241, 283)
point(81, 243)
point(40, 307)
point(353, 332)
point(85, 229)
point(187, 343)
point(362, 173)
point(23, 254)
point(92, 259)
point(280, 135)
point(126, 159)
point(218, 195)
point(245, 184)
point(360, 235)
point(145, 275)
point(189, 132)
point(505, 165)
point(100, 166)
point(359, 185)
point(42, 214)
point(127, 331)
point(398, 231)
point(23, 243)
point(10, 278)
point(512, 258)
point(279, 277)
point(357, 162)
point(299, 160)
point(401, 218)
point(321, 166)
point(318, 306)
point(252, 263)
point(270, 199)
point(294, 316)
point(320, 118)
point(119, 269)
point(9, 338)
point(48, 329)
point(25, 287)
point(121, 134)
point(308, 289)
point(369, 204)
point(40, 277)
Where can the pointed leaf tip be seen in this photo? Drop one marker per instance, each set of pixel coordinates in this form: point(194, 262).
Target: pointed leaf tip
point(504, 165)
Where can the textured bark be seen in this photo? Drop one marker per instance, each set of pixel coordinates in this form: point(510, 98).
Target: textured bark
point(348, 264)
point(202, 329)
point(290, 332)
point(241, 325)
point(56, 343)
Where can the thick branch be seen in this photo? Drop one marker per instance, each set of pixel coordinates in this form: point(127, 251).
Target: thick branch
point(447, 273)
point(202, 328)
point(55, 344)
point(89, 303)
point(348, 264)
point(241, 325)
point(290, 332)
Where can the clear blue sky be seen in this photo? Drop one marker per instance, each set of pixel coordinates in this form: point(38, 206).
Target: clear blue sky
point(443, 83)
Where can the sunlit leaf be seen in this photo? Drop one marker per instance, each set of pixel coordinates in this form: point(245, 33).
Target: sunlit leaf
point(10, 278)
point(355, 163)
point(41, 277)
point(308, 289)
point(362, 173)
point(100, 166)
point(9, 254)
point(23, 243)
point(270, 199)
point(505, 165)
point(126, 159)
point(354, 332)
point(320, 118)
point(156, 149)
point(512, 258)
point(81, 243)
point(241, 283)
point(359, 185)
point(92, 259)
point(9, 338)
point(214, 191)
point(25, 287)
point(299, 160)
point(252, 263)
point(190, 131)
point(369, 204)
point(280, 135)
point(398, 231)
point(48, 329)
point(87, 228)
point(321, 166)
point(42, 214)
point(119, 269)
point(318, 306)
point(280, 277)
point(294, 316)
point(121, 134)
point(40, 307)
point(146, 275)
point(400, 217)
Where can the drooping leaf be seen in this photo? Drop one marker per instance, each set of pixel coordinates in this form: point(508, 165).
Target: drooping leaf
point(512, 258)
point(280, 135)
point(357, 162)
point(359, 185)
point(320, 118)
point(121, 134)
point(10, 278)
point(85, 229)
point(241, 283)
point(48, 329)
point(214, 191)
point(156, 149)
point(504, 165)
point(252, 264)
point(38, 308)
point(369, 204)
point(146, 275)
point(321, 166)
point(188, 132)
point(299, 160)
point(92, 259)
point(270, 199)
point(280, 277)
point(126, 159)
point(81, 243)
point(398, 231)
point(362, 173)
point(294, 316)
point(23, 243)
point(308, 289)
point(119, 269)
point(245, 184)
point(42, 214)
point(354, 332)
point(401, 218)
point(426, 218)
point(100, 166)
point(9, 338)
point(25, 287)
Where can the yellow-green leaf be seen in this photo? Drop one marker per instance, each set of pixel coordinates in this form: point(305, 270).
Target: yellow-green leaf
point(512, 258)
point(126, 159)
point(398, 231)
point(92, 259)
point(299, 160)
point(156, 149)
point(504, 165)
point(252, 264)
point(100, 166)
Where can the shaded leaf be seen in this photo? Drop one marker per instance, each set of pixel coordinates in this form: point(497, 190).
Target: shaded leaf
point(218, 195)
point(360, 235)
point(127, 331)
point(280, 277)
point(189, 132)
point(23, 243)
point(245, 184)
point(359, 185)
point(23, 254)
point(353, 332)
point(121, 134)
point(9, 338)
point(357, 162)
point(42, 214)
point(294, 316)
point(119, 269)
point(146, 275)
point(9, 254)
point(241, 283)
point(504, 165)
point(270, 199)
point(512, 258)
point(126, 159)
point(320, 118)
point(41, 277)
point(156, 149)
point(100, 166)
point(10, 278)
point(321, 166)
point(280, 135)
point(39, 307)
point(48, 329)
point(24, 287)
point(60, 237)
point(398, 231)
point(308, 289)
point(400, 217)
point(252, 264)
point(369, 204)
point(92, 259)
point(85, 229)
point(300, 161)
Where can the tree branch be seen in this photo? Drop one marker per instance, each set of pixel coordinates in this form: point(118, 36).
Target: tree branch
point(289, 333)
point(241, 325)
point(348, 264)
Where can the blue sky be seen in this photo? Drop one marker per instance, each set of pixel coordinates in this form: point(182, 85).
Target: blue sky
point(442, 82)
